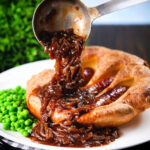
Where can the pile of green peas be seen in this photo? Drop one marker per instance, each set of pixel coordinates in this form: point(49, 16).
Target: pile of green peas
point(14, 114)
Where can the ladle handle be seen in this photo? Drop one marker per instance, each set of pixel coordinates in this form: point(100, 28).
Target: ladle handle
point(114, 5)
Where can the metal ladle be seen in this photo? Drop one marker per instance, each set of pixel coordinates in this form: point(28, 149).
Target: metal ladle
point(56, 15)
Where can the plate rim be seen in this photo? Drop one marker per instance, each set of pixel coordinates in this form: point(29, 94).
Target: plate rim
point(50, 147)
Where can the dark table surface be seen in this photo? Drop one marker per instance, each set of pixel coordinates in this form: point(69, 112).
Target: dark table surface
point(131, 39)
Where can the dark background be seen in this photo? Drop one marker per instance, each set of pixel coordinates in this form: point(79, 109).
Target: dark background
point(134, 39)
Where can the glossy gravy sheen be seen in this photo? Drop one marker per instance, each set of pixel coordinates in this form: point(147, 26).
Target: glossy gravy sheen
point(67, 92)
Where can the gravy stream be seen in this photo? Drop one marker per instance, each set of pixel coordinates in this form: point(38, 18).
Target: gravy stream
point(67, 93)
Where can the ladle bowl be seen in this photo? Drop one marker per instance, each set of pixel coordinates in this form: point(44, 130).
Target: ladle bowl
point(57, 15)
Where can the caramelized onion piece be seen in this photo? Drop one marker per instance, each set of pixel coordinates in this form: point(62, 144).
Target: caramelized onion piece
point(67, 96)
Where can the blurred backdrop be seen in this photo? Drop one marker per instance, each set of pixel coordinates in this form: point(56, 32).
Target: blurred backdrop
point(135, 15)
point(17, 42)
point(117, 30)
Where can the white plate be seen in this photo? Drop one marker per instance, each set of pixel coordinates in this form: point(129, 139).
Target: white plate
point(135, 132)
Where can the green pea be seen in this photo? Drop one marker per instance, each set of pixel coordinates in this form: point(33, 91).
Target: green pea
point(18, 88)
point(23, 90)
point(14, 97)
point(8, 107)
point(7, 120)
point(8, 99)
point(19, 97)
point(21, 121)
point(24, 97)
point(12, 128)
point(17, 103)
point(25, 133)
point(12, 108)
point(12, 113)
point(17, 125)
point(13, 118)
point(3, 120)
point(6, 104)
point(25, 113)
point(1, 104)
point(28, 122)
point(20, 116)
point(18, 129)
point(12, 124)
point(1, 117)
point(5, 126)
point(21, 130)
point(19, 108)
point(15, 106)
point(11, 91)
point(11, 97)
point(2, 101)
point(20, 93)
point(27, 128)
point(22, 126)
point(6, 116)
point(3, 108)
point(4, 112)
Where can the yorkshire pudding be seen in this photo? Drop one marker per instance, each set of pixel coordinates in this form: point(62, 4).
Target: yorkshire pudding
point(126, 69)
